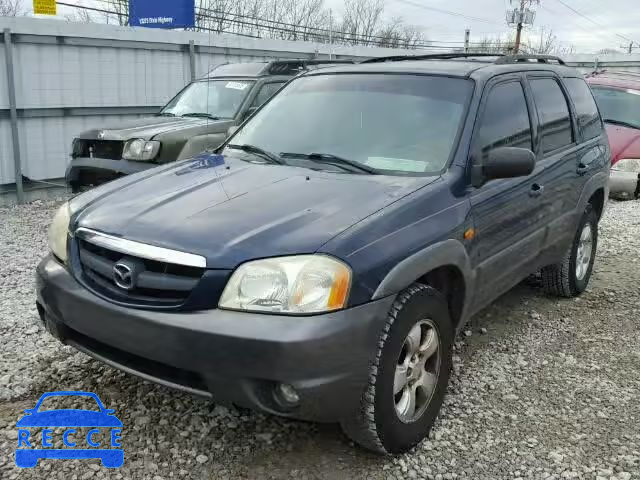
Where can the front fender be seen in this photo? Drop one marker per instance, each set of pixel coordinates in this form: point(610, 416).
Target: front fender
point(442, 254)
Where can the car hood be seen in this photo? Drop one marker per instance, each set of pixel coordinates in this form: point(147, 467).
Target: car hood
point(149, 127)
point(230, 211)
point(624, 141)
point(69, 418)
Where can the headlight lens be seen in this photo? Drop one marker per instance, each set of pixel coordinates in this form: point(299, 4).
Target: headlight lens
point(139, 149)
point(59, 232)
point(298, 285)
point(627, 165)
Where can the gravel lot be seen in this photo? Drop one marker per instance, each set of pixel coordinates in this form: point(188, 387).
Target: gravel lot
point(542, 388)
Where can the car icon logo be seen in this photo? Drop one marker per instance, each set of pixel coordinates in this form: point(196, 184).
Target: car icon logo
point(77, 445)
point(101, 135)
point(123, 276)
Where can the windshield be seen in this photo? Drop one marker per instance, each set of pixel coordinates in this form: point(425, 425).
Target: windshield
point(393, 124)
point(618, 106)
point(216, 98)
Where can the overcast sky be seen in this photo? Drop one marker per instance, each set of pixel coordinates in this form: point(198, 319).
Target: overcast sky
point(610, 24)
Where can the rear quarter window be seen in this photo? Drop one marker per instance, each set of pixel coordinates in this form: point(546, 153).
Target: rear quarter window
point(586, 108)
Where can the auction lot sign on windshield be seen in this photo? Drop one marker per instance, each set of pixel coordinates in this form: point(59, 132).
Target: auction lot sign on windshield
point(162, 13)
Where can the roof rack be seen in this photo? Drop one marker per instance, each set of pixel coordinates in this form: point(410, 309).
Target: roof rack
point(430, 56)
point(521, 58)
point(500, 58)
point(290, 67)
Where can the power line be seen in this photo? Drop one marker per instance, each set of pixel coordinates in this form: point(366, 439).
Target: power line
point(592, 21)
point(608, 38)
point(295, 30)
point(448, 12)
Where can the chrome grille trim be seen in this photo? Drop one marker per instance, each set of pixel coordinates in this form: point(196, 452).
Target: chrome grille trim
point(142, 250)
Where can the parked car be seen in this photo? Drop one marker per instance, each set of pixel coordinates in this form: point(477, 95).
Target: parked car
point(196, 119)
point(320, 263)
point(618, 96)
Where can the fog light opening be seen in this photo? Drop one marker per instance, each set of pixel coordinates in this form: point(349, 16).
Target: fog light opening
point(287, 394)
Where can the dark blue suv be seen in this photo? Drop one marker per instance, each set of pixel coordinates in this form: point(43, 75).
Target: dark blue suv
point(319, 263)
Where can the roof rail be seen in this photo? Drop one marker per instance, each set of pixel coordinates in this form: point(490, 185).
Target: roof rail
point(529, 58)
point(288, 67)
point(430, 56)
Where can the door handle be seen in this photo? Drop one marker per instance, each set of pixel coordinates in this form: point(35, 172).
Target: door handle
point(536, 190)
point(582, 169)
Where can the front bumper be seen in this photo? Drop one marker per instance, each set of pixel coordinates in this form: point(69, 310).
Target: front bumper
point(84, 172)
point(232, 357)
point(625, 185)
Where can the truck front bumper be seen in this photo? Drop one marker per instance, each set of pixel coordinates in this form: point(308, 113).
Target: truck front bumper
point(88, 172)
point(624, 185)
point(232, 357)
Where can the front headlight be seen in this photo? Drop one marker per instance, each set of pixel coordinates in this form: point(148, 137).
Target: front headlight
point(139, 149)
point(298, 285)
point(59, 232)
point(627, 165)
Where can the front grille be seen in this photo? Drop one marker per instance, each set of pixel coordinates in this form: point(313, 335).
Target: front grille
point(90, 177)
point(156, 283)
point(109, 149)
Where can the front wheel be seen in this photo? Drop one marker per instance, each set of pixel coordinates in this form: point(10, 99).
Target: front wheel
point(570, 277)
point(409, 377)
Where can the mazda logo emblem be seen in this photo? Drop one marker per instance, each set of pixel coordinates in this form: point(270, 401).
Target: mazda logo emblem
point(123, 276)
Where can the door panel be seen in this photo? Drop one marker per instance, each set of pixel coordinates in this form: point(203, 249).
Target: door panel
point(507, 213)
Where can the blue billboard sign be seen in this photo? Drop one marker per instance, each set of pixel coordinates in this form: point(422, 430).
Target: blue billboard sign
point(162, 13)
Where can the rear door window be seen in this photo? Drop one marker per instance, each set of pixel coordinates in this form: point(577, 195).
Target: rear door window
point(553, 114)
point(586, 109)
point(505, 121)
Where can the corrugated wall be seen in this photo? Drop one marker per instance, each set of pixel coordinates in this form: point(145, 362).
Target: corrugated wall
point(71, 77)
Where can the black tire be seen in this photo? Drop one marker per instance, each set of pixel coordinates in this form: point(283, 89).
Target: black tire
point(75, 187)
point(561, 279)
point(377, 426)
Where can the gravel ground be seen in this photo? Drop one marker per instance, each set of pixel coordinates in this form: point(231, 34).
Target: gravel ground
point(542, 388)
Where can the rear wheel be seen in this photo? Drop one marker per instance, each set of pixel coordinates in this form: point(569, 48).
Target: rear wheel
point(409, 377)
point(570, 277)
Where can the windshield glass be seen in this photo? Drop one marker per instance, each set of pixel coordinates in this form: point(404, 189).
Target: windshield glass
point(216, 98)
point(618, 105)
point(395, 124)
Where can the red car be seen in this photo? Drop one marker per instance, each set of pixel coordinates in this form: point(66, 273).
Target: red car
point(618, 97)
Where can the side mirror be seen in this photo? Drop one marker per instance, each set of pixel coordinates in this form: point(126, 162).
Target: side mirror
point(232, 129)
point(504, 162)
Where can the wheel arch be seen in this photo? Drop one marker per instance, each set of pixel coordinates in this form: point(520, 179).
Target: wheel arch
point(445, 266)
point(595, 192)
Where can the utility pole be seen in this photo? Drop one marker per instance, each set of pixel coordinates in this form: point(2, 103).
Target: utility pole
point(467, 35)
point(521, 16)
point(516, 46)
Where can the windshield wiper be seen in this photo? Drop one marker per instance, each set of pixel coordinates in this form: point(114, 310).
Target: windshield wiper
point(621, 123)
point(166, 114)
point(331, 159)
point(271, 157)
point(201, 115)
